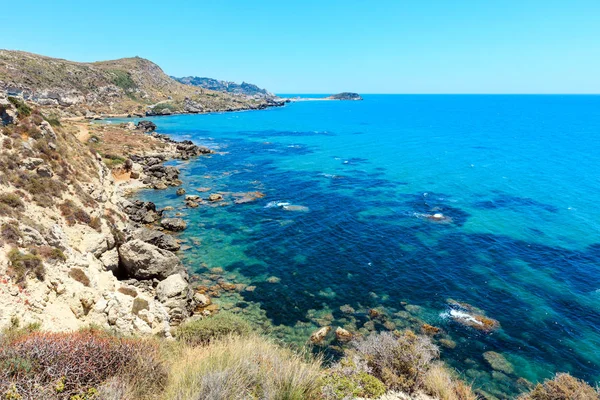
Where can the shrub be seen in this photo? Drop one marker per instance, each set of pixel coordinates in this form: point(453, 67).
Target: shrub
point(79, 276)
point(123, 79)
point(96, 223)
point(51, 253)
point(53, 121)
point(562, 387)
point(202, 331)
point(11, 233)
point(361, 384)
point(21, 265)
point(74, 214)
point(12, 200)
point(399, 361)
point(23, 109)
point(64, 365)
point(243, 367)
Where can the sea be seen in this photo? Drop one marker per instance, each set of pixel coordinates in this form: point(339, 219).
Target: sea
point(408, 205)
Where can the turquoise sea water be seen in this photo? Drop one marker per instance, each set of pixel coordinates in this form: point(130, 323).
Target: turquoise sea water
point(519, 176)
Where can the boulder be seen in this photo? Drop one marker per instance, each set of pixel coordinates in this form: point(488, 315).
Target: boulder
point(110, 260)
point(44, 171)
point(215, 197)
point(157, 238)
point(142, 260)
point(173, 224)
point(173, 286)
point(175, 295)
point(343, 335)
point(31, 163)
point(180, 192)
point(319, 335)
point(146, 126)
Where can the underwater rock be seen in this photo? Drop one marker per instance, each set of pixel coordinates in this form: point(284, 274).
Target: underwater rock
point(319, 335)
point(498, 362)
point(430, 330)
point(242, 198)
point(467, 315)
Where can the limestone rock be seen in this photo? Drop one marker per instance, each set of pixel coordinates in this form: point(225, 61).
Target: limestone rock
point(319, 335)
point(215, 197)
point(342, 334)
point(173, 224)
point(157, 238)
point(146, 126)
point(110, 260)
point(142, 260)
point(31, 163)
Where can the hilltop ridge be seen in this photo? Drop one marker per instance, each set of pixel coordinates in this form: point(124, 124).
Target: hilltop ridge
point(124, 86)
point(244, 88)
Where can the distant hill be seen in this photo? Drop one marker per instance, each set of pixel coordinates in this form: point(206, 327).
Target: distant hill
point(244, 88)
point(345, 96)
point(127, 85)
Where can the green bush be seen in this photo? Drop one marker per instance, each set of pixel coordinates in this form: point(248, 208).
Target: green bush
point(11, 233)
point(12, 201)
point(123, 79)
point(23, 109)
point(203, 331)
point(361, 384)
point(21, 265)
point(53, 121)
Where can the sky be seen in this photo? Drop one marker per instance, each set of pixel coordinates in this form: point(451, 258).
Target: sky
point(329, 46)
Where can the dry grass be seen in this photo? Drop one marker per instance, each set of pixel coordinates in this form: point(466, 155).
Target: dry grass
point(400, 361)
point(440, 383)
point(243, 367)
point(562, 387)
point(202, 331)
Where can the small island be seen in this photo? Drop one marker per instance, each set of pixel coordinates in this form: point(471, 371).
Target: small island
point(345, 96)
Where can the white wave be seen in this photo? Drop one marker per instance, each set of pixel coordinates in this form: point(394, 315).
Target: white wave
point(461, 316)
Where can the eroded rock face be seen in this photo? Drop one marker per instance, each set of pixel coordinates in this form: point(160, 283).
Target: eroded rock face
point(141, 260)
point(157, 238)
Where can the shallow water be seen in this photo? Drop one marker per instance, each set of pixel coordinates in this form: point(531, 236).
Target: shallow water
point(348, 187)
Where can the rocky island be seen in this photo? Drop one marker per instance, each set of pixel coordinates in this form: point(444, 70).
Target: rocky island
point(345, 96)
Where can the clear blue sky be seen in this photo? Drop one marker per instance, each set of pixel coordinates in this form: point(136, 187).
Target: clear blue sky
point(324, 46)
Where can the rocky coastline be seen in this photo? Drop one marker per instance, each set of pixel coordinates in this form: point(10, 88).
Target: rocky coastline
point(99, 258)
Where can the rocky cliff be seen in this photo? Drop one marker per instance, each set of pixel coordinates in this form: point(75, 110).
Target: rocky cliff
point(125, 86)
point(73, 250)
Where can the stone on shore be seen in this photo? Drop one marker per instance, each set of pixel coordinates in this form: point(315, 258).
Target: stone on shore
point(173, 224)
point(142, 260)
point(157, 238)
point(146, 126)
point(319, 335)
point(215, 197)
point(342, 334)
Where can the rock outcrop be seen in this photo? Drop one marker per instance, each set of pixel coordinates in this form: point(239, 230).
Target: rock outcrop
point(141, 260)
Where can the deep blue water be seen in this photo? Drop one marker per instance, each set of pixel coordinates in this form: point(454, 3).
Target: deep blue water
point(518, 175)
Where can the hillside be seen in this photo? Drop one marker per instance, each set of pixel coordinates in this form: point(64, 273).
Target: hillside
point(125, 86)
point(243, 89)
